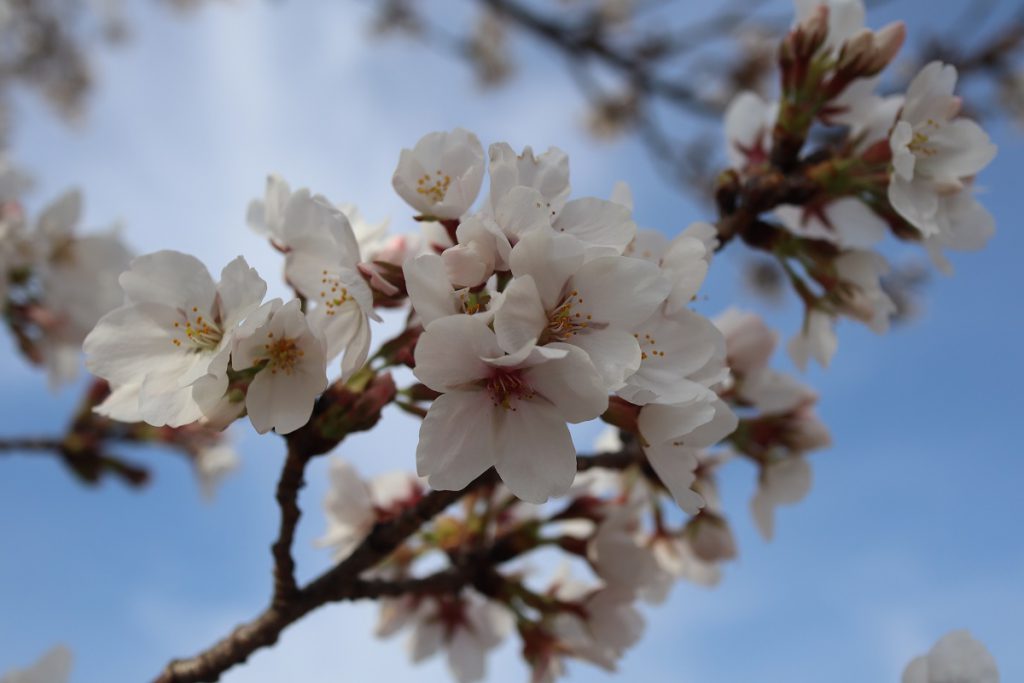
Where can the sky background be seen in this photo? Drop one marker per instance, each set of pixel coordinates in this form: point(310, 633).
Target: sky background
point(912, 527)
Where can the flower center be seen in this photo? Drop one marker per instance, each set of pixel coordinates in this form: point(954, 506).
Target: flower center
point(281, 354)
point(435, 187)
point(918, 144)
point(565, 322)
point(648, 346)
point(334, 295)
point(200, 333)
point(504, 386)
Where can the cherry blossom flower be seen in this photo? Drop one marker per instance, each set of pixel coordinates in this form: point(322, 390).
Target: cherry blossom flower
point(291, 363)
point(933, 151)
point(372, 238)
point(964, 225)
point(617, 551)
point(441, 176)
point(507, 411)
point(78, 283)
point(466, 626)
point(547, 173)
point(213, 463)
point(485, 239)
point(860, 294)
point(817, 339)
point(322, 264)
point(749, 343)
point(433, 296)
point(846, 221)
point(53, 667)
point(607, 625)
point(556, 297)
point(956, 658)
point(176, 327)
point(783, 482)
point(681, 355)
point(353, 505)
point(676, 558)
point(672, 436)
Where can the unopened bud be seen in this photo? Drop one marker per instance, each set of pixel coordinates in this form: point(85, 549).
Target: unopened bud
point(810, 34)
point(868, 52)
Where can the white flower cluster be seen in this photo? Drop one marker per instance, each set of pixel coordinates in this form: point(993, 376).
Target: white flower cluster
point(906, 165)
point(55, 285)
point(782, 426)
point(616, 521)
point(183, 348)
point(559, 619)
point(535, 309)
point(538, 312)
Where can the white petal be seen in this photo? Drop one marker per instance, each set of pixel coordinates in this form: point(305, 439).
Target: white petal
point(169, 277)
point(535, 455)
point(685, 264)
point(597, 222)
point(449, 351)
point(162, 401)
point(619, 291)
point(548, 173)
point(571, 384)
point(521, 319)
point(426, 639)
point(129, 343)
point(429, 290)
point(917, 201)
point(456, 440)
point(550, 259)
point(660, 423)
point(676, 467)
point(241, 291)
point(615, 354)
point(710, 433)
point(521, 211)
point(817, 340)
point(466, 657)
point(745, 127)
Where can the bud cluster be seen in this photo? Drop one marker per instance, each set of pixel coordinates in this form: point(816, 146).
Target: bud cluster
point(877, 165)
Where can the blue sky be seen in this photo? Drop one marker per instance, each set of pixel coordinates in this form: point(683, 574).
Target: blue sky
point(911, 529)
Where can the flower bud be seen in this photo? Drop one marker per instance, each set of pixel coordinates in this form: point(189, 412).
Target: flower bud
point(868, 52)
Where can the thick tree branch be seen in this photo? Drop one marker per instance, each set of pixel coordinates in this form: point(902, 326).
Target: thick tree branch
point(342, 581)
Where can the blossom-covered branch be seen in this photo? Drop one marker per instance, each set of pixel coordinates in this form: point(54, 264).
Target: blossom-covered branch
point(526, 311)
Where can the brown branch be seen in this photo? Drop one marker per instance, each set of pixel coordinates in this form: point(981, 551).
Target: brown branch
point(87, 462)
point(292, 480)
point(29, 444)
point(342, 581)
point(587, 41)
